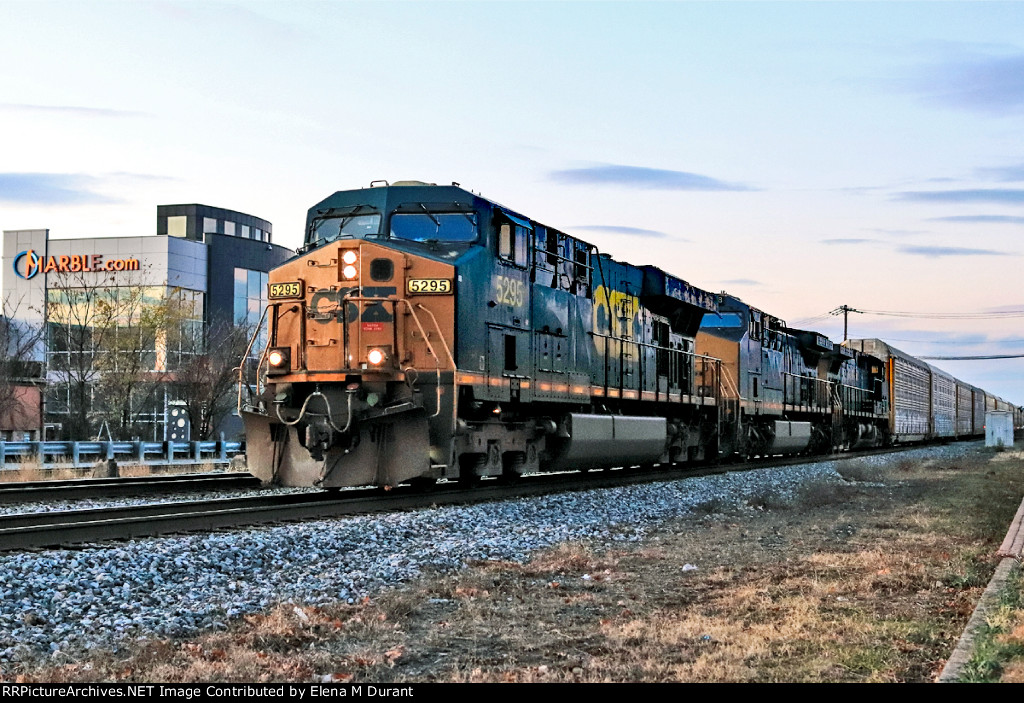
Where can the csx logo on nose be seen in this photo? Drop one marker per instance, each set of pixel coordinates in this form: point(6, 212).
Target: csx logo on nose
point(326, 305)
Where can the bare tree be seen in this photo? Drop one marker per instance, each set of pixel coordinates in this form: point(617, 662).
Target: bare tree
point(107, 349)
point(206, 378)
point(20, 365)
point(72, 317)
point(129, 341)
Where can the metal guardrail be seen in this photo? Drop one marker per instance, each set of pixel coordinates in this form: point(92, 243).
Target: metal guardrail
point(85, 454)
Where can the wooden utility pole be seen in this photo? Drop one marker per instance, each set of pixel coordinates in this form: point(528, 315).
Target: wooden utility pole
point(846, 310)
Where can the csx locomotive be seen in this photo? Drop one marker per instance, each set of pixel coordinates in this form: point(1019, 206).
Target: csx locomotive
point(425, 332)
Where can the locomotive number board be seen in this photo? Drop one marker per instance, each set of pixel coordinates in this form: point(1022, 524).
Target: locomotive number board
point(286, 289)
point(429, 286)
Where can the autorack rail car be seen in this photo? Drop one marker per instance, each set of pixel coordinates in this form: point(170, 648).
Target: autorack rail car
point(928, 403)
point(425, 332)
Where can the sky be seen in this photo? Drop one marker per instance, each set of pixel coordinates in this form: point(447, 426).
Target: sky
point(799, 155)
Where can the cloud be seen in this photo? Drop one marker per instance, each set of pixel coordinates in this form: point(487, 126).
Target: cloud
point(1002, 196)
point(73, 110)
point(629, 231)
point(983, 219)
point(1010, 307)
point(49, 189)
point(1003, 173)
point(847, 240)
point(984, 83)
point(898, 232)
point(642, 177)
point(935, 251)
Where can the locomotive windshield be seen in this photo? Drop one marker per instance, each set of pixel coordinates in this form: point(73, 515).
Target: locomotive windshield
point(434, 226)
point(353, 226)
point(724, 319)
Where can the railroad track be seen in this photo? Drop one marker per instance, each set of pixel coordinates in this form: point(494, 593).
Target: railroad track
point(74, 489)
point(71, 527)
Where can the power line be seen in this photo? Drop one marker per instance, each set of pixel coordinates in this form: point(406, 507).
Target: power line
point(994, 314)
point(972, 358)
point(961, 343)
point(813, 318)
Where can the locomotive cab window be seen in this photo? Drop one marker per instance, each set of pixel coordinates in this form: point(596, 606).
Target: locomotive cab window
point(512, 241)
point(427, 226)
point(581, 269)
point(356, 225)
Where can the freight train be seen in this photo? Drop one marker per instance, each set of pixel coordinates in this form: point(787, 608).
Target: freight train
point(423, 332)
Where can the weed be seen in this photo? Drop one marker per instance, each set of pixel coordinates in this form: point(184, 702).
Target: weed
point(860, 470)
point(820, 493)
point(999, 645)
point(907, 466)
point(711, 506)
point(768, 500)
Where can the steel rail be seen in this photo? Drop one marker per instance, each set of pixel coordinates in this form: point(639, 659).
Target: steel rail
point(65, 528)
point(73, 489)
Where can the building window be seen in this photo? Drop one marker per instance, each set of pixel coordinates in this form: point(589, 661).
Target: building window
point(108, 350)
point(250, 299)
point(209, 225)
point(250, 296)
point(177, 226)
point(245, 231)
point(229, 228)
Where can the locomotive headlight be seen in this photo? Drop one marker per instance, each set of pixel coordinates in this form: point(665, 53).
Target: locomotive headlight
point(349, 272)
point(376, 356)
point(278, 360)
point(349, 257)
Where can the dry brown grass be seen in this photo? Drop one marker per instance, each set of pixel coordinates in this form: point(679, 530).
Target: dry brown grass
point(31, 470)
point(1014, 673)
point(863, 471)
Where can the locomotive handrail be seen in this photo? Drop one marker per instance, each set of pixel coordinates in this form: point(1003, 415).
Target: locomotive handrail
point(245, 356)
point(558, 256)
point(715, 362)
point(822, 385)
point(455, 368)
point(730, 386)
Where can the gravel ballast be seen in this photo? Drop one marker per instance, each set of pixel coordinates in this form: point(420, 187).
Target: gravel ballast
point(57, 604)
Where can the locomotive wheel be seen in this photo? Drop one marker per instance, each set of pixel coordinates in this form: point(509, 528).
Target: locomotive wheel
point(423, 484)
point(468, 465)
point(511, 466)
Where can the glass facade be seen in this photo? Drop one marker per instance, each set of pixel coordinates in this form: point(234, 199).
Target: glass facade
point(250, 296)
point(250, 299)
point(110, 351)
